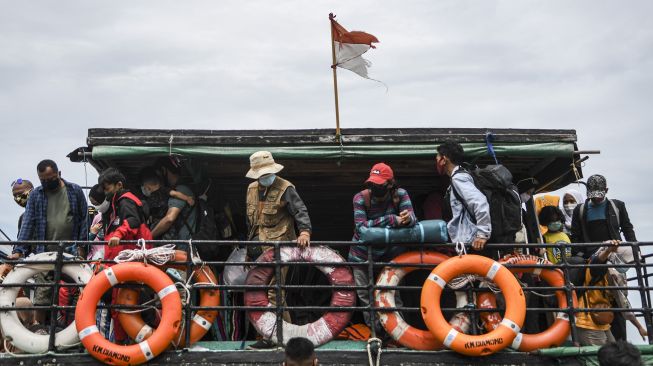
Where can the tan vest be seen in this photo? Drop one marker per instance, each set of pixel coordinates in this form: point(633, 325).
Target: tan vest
point(270, 219)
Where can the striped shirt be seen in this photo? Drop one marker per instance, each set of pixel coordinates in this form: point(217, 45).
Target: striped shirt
point(380, 214)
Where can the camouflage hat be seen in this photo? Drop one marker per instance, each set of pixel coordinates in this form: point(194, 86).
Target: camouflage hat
point(597, 187)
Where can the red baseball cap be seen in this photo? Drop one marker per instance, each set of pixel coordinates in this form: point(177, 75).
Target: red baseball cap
point(380, 174)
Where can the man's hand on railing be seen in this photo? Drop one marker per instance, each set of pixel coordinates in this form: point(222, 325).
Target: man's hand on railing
point(606, 251)
point(479, 243)
point(114, 241)
point(304, 239)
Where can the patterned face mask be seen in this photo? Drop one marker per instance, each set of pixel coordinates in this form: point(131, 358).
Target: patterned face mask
point(21, 199)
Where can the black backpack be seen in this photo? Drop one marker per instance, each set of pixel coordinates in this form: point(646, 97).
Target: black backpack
point(495, 182)
point(208, 226)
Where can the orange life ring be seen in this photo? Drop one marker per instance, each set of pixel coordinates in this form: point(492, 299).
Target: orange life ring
point(557, 333)
point(111, 353)
point(472, 345)
point(138, 330)
point(393, 322)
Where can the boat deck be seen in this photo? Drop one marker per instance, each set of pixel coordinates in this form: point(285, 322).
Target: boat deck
point(333, 353)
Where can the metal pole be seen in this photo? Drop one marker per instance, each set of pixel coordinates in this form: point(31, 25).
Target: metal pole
point(370, 290)
point(335, 78)
point(645, 305)
point(569, 287)
point(187, 306)
point(5, 235)
point(55, 296)
point(279, 298)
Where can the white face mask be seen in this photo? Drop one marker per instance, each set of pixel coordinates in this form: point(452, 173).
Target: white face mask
point(569, 207)
point(146, 192)
point(267, 180)
point(103, 207)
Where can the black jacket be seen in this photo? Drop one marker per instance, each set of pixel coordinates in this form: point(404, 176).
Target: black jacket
point(616, 226)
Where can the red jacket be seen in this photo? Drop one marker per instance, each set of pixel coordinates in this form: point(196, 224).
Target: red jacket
point(126, 222)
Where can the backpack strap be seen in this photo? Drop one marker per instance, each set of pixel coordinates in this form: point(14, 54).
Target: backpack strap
point(459, 197)
point(616, 211)
point(583, 226)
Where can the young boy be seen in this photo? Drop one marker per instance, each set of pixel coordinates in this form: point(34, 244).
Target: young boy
point(553, 218)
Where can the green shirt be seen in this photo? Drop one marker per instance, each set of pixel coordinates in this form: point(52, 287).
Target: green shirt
point(187, 217)
point(59, 216)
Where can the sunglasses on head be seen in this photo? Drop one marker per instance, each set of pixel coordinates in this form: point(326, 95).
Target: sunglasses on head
point(23, 195)
point(17, 181)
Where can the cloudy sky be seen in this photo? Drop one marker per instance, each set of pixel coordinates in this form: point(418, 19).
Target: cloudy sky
point(67, 66)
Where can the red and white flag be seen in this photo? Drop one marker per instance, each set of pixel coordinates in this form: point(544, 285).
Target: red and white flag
point(350, 47)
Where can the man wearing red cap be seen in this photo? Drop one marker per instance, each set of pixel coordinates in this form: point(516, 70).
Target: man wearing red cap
point(381, 204)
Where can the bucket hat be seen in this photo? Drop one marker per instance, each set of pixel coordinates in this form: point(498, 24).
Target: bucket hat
point(262, 163)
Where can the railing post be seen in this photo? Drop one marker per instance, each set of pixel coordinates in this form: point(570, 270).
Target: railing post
point(278, 295)
point(370, 290)
point(55, 296)
point(569, 288)
point(645, 305)
point(187, 306)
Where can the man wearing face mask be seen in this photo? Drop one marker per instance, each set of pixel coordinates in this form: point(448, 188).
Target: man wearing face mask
point(598, 220)
point(180, 214)
point(380, 204)
point(526, 188)
point(157, 204)
point(21, 189)
point(57, 210)
point(274, 213)
point(471, 212)
point(125, 219)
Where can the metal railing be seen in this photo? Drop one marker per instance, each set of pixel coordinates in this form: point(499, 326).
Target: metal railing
point(639, 265)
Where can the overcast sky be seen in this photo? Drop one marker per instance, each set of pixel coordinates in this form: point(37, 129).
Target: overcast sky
point(67, 66)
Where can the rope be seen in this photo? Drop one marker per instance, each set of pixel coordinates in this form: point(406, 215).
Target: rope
point(460, 249)
point(158, 256)
point(378, 351)
point(461, 281)
point(194, 255)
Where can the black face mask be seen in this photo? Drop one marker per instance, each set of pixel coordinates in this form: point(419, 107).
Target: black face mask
point(50, 185)
point(109, 196)
point(379, 191)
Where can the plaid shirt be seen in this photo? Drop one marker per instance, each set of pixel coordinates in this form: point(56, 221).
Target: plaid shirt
point(35, 220)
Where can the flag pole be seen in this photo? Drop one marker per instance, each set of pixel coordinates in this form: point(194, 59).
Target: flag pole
point(335, 78)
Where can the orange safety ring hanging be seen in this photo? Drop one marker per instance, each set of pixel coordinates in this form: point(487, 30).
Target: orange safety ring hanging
point(557, 333)
point(393, 322)
point(473, 345)
point(114, 354)
point(138, 330)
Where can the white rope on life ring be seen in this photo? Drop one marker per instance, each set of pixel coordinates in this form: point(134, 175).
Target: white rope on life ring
point(13, 329)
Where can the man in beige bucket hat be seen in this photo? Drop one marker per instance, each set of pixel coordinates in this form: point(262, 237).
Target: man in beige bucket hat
point(274, 209)
point(273, 205)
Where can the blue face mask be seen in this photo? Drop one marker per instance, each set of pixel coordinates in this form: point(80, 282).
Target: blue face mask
point(267, 180)
point(554, 226)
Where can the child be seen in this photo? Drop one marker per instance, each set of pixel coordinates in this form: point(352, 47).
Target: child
point(553, 218)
